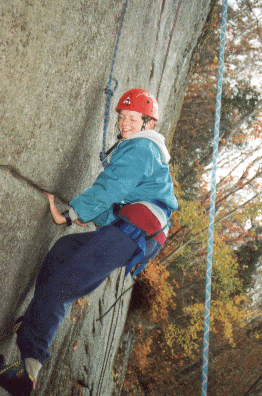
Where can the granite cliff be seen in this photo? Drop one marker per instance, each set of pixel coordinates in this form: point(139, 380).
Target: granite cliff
point(55, 62)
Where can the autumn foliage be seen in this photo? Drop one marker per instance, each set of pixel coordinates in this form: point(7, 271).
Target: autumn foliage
point(167, 310)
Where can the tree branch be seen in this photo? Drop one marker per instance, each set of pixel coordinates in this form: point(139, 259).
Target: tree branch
point(231, 132)
point(164, 261)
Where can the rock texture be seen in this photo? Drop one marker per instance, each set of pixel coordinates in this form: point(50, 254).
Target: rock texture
point(55, 61)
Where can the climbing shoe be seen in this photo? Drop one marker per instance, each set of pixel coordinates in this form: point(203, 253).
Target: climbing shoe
point(14, 378)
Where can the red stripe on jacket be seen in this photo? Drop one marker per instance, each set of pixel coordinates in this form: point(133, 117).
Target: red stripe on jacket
point(143, 218)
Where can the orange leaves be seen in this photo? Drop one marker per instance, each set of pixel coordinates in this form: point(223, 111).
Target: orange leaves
point(257, 128)
point(80, 302)
point(174, 227)
point(75, 346)
point(141, 351)
point(161, 293)
point(238, 139)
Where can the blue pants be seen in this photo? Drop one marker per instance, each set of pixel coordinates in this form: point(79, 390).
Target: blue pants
point(75, 266)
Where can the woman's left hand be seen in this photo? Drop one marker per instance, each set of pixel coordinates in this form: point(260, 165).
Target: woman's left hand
point(58, 218)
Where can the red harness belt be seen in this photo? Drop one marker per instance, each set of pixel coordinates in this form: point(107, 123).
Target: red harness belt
point(143, 218)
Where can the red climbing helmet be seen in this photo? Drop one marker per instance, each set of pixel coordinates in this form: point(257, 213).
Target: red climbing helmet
point(139, 100)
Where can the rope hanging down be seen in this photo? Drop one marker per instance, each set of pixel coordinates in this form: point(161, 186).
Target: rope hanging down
point(212, 203)
point(109, 92)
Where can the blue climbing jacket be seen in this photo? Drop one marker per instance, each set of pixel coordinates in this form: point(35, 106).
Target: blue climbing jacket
point(138, 171)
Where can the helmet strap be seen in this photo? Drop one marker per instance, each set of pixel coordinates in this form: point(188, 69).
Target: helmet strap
point(146, 119)
point(144, 125)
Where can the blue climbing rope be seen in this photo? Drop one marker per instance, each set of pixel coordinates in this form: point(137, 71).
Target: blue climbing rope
point(212, 203)
point(110, 92)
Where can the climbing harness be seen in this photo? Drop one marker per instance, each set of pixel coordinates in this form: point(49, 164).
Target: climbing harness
point(212, 203)
point(109, 92)
point(140, 237)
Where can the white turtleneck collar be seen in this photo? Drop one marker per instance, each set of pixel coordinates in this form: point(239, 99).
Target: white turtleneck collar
point(157, 138)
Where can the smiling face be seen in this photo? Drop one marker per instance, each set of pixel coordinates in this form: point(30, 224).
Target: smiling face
point(130, 122)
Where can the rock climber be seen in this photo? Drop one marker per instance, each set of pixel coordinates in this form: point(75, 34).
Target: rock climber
point(131, 201)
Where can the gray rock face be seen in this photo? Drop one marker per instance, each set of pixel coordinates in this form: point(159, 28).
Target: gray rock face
point(55, 62)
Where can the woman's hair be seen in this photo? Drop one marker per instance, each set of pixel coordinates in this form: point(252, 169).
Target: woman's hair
point(146, 118)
